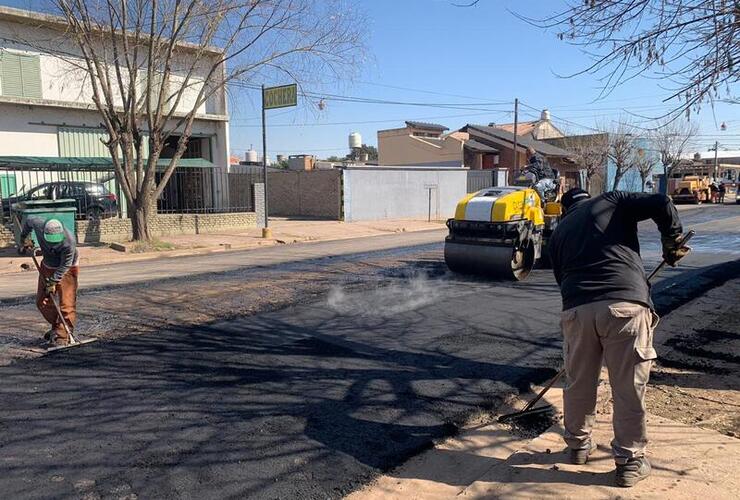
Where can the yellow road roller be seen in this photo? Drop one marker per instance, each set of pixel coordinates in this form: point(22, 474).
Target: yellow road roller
point(500, 232)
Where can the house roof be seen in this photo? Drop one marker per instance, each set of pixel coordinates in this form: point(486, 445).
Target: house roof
point(522, 128)
point(480, 147)
point(426, 126)
point(523, 142)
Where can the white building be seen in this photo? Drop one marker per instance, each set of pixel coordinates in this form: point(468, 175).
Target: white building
point(46, 106)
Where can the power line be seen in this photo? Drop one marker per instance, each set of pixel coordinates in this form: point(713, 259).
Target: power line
point(422, 91)
point(564, 120)
point(365, 100)
point(390, 120)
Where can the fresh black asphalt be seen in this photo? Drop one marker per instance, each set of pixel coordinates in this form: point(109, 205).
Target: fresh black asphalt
point(306, 402)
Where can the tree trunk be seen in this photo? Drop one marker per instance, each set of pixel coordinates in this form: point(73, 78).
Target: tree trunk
point(617, 179)
point(140, 221)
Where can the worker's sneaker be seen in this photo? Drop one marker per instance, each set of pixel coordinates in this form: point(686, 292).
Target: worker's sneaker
point(580, 457)
point(58, 341)
point(632, 472)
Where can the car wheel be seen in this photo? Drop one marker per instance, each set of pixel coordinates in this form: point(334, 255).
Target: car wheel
point(94, 214)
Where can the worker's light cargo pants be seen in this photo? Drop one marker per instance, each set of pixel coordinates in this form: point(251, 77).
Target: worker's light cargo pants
point(620, 334)
point(67, 296)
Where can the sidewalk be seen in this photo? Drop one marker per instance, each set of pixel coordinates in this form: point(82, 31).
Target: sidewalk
point(285, 231)
point(489, 462)
point(689, 458)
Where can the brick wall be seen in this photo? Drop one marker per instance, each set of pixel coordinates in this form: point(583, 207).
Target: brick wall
point(115, 229)
point(314, 193)
point(6, 236)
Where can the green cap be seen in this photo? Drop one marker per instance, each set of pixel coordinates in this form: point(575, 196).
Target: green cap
point(53, 231)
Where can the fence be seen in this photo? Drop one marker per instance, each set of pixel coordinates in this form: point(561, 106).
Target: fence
point(479, 179)
point(95, 189)
point(98, 194)
point(207, 191)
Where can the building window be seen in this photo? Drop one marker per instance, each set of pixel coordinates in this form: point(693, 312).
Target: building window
point(20, 75)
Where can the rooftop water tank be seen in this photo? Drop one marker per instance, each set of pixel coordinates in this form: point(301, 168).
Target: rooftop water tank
point(355, 140)
point(251, 156)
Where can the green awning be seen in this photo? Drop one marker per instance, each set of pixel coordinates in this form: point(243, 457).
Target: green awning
point(79, 163)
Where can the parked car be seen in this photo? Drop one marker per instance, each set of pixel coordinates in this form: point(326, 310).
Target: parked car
point(94, 201)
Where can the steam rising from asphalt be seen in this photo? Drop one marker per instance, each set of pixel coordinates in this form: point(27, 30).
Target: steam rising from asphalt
point(385, 301)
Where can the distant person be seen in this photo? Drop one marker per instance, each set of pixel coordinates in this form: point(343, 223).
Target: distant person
point(542, 176)
point(714, 191)
point(538, 165)
point(608, 316)
point(58, 276)
point(722, 190)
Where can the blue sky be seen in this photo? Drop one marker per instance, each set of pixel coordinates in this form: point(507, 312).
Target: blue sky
point(430, 51)
point(442, 51)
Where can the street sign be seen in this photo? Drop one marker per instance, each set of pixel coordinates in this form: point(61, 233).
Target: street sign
point(283, 96)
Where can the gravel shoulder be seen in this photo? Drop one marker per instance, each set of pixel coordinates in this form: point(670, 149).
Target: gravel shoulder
point(697, 378)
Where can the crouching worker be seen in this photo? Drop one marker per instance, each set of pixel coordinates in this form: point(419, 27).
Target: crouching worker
point(608, 316)
point(58, 276)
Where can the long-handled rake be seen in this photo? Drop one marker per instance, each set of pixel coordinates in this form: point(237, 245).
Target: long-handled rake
point(529, 408)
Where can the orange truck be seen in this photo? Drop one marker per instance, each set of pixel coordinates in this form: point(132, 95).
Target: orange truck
point(692, 189)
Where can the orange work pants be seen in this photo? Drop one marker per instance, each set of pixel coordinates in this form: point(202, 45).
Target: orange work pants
point(66, 295)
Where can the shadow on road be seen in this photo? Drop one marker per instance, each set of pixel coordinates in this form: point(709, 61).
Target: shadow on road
point(259, 407)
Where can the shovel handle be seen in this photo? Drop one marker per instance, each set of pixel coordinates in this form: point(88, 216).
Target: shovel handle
point(685, 239)
point(72, 339)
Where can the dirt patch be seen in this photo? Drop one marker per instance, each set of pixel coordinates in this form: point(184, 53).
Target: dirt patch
point(697, 377)
point(147, 307)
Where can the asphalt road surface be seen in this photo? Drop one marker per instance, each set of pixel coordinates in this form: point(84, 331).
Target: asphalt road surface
point(309, 401)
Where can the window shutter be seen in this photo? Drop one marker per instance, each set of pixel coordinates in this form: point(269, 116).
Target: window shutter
point(20, 75)
point(31, 74)
point(12, 82)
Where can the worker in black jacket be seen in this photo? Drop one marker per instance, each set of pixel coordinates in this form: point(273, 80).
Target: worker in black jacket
point(608, 316)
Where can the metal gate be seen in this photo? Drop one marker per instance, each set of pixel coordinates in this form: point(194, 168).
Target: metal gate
point(479, 179)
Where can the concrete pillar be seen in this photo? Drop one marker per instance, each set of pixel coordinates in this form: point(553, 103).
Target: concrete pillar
point(259, 203)
point(500, 176)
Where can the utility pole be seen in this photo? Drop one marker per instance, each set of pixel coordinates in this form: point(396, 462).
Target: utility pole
point(515, 171)
point(266, 232)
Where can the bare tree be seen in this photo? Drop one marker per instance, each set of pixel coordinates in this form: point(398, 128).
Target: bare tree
point(672, 141)
point(621, 151)
point(590, 153)
point(644, 163)
point(690, 43)
point(154, 65)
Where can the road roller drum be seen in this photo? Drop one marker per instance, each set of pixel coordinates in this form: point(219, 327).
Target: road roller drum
point(496, 232)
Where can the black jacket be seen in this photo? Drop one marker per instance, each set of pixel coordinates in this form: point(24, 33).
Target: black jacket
point(595, 252)
point(540, 167)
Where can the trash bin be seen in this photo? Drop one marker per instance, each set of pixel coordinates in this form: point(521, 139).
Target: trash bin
point(63, 210)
